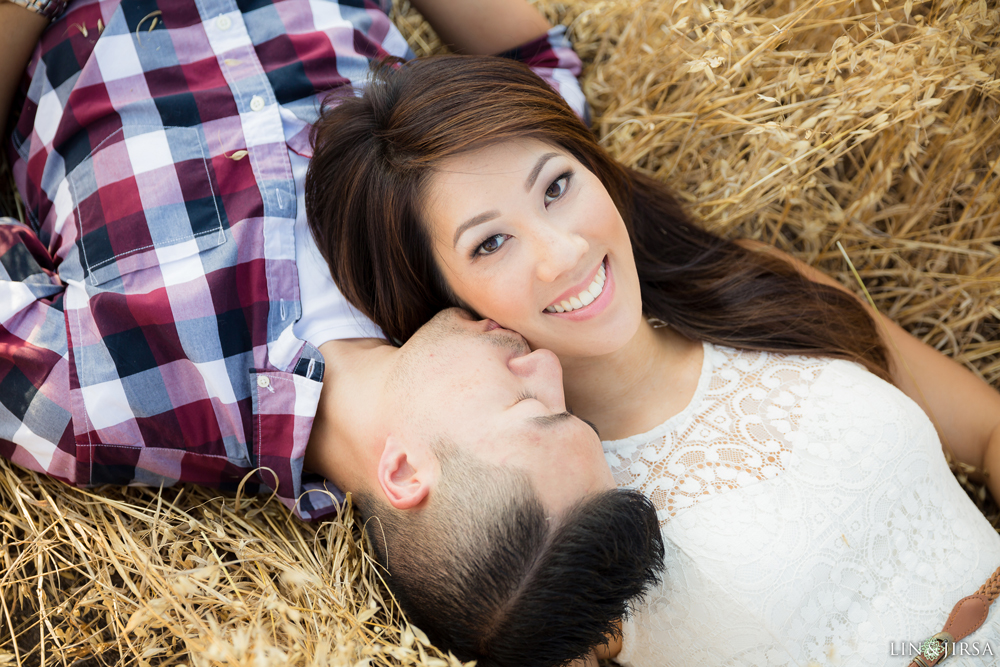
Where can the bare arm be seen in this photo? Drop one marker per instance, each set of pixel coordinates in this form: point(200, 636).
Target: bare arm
point(965, 409)
point(483, 27)
point(19, 32)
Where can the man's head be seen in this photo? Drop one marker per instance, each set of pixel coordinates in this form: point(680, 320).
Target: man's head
point(480, 387)
point(491, 507)
point(491, 577)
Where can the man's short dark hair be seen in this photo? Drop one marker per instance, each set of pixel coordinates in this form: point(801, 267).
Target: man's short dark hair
point(486, 575)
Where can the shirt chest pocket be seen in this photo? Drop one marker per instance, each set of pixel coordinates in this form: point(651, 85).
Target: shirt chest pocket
point(144, 197)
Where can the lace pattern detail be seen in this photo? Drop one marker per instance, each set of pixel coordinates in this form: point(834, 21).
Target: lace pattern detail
point(734, 432)
point(854, 540)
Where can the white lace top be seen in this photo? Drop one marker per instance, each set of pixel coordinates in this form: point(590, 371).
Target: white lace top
point(809, 518)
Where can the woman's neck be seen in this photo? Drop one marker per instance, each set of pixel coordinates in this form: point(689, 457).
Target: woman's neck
point(636, 388)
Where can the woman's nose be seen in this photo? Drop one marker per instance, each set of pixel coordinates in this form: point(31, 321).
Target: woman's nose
point(559, 250)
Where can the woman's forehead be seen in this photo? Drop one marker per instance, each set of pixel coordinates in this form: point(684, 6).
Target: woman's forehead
point(489, 177)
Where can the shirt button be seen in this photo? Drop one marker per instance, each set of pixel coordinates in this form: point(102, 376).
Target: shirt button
point(223, 22)
point(257, 103)
point(263, 381)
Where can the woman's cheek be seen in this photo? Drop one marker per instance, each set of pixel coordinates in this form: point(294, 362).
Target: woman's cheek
point(513, 305)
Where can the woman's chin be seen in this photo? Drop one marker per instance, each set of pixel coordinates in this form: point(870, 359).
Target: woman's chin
point(598, 342)
point(601, 327)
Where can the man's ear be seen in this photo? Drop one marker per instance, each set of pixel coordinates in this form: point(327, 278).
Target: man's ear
point(406, 472)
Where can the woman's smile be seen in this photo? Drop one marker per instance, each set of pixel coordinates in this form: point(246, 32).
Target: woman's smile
point(525, 234)
point(581, 304)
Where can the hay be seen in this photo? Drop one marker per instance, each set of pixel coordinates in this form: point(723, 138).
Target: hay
point(806, 123)
point(797, 123)
point(801, 123)
point(133, 576)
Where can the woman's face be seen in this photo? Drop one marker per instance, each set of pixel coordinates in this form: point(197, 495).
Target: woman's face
point(526, 235)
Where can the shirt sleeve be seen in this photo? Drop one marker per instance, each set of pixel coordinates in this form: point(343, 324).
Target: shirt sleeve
point(552, 57)
point(36, 428)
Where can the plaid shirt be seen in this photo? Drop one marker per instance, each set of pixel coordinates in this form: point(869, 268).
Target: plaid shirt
point(146, 310)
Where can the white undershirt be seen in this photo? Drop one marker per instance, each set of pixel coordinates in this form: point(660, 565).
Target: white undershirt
point(326, 315)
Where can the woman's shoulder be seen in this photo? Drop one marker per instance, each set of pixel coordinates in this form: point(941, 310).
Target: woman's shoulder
point(728, 377)
point(756, 378)
point(737, 430)
point(735, 370)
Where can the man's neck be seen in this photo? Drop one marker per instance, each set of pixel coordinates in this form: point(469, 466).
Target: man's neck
point(346, 423)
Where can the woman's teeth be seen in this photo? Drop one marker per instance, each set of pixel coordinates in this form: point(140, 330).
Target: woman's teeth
point(584, 298)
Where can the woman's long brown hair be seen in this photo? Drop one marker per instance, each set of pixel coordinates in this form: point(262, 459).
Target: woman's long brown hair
point(374, 153)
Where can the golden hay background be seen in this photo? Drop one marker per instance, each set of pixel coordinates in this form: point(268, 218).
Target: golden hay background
point(797, 123)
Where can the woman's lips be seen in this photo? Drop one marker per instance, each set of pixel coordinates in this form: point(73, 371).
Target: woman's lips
point(574, 292)
point(581, 311)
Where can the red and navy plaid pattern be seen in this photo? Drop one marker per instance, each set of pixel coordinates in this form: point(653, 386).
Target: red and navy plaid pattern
point(146, 311)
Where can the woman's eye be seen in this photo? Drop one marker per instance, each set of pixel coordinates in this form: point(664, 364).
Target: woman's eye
point(557, 188)
point(491, 245)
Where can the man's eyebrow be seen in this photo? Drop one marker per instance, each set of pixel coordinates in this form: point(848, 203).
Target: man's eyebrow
point(548, 421)
point(533, 176)
point(591, 425)
point(551, 420)
point(472, 222)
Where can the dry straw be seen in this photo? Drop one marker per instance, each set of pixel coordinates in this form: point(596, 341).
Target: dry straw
point(795, 122)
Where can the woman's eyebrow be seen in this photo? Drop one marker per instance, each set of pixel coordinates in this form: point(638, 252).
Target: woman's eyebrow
point(533, 176)
point(490, 215)
point(472, 222)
